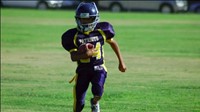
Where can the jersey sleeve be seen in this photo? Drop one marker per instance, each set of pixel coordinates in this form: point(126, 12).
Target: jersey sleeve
point(68, 40)
point(107, 28)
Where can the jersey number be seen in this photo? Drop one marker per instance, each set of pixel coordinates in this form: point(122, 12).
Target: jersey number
point(97, 54)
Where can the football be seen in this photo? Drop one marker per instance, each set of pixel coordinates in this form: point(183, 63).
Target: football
point(85, 47)
point(89, 46)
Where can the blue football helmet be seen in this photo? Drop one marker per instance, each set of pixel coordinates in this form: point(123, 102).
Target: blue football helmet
point(87, 10)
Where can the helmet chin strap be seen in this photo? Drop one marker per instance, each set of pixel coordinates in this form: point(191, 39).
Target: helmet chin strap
point(86, 29)
point(83, 30)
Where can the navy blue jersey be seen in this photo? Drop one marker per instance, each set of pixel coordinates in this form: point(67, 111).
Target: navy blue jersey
point(72, 39)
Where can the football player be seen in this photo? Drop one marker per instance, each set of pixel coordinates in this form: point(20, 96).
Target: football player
point(85, 45)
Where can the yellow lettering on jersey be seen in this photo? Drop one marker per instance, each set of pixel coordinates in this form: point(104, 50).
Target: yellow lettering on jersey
point(98, 50)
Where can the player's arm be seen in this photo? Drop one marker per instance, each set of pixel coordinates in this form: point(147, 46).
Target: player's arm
point(68, 44)
point(115, 47)
point(76, 55)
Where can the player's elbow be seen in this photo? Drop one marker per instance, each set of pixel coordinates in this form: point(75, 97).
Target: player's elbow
point(73, 59)
point(73, 56)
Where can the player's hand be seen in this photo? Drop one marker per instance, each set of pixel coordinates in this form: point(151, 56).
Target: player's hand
point(86, 50)
point(90, 52)
point(122, 67)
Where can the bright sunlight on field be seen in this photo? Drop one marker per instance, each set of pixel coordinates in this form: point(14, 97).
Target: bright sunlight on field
point(162, 54)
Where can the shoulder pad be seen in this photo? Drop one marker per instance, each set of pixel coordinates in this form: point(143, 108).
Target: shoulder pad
point(67, 39)
point(107, 28)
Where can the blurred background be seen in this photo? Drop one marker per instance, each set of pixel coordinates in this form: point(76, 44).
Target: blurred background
point(162, 6)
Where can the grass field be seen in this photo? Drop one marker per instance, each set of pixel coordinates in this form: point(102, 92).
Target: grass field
point(162, 54)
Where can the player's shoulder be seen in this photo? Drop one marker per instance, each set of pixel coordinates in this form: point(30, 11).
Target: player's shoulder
point(104, 25)
point(107, 28)
point(67, 38)
point(69, 33)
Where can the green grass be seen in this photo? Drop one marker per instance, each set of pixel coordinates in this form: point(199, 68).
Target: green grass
point(162, 54)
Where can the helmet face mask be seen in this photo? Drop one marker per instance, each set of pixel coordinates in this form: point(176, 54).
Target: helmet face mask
point(87, 16)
